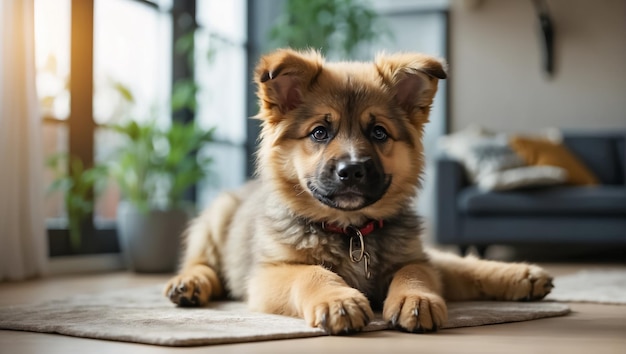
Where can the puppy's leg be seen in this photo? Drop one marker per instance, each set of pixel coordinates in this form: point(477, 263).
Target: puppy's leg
point(414, 301)
point(195, 285)
point(314, 293)
point(470, 278)
point(198, 279)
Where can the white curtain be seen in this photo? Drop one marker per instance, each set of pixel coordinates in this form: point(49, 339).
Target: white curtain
point(23, 245)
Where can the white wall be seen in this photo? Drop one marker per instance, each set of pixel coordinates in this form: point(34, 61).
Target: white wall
point(496, 74)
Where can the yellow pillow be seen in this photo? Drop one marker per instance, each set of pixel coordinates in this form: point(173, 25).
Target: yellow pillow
point(542, 152)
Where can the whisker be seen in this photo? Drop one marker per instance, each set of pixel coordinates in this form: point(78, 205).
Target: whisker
point(298, 189)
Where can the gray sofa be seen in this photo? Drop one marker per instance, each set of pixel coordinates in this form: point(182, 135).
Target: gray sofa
point(466, 216)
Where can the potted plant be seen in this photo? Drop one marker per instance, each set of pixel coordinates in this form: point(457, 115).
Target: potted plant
point(80, 187)
point(154, 168)
point(335, 27)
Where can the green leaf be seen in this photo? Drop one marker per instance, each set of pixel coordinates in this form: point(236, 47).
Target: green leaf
point(124, 91)
point(80, 186)
point(184, 95)
point(333, 26)
point(185, 43)
point(75, 233)
point(60, 184)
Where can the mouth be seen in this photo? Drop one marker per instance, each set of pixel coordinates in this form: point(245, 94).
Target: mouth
point(351, 198)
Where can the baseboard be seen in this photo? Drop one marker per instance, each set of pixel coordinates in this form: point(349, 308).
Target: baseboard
point(86, 264)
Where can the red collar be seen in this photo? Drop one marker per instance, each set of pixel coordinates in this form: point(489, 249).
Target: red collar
point(364, 230)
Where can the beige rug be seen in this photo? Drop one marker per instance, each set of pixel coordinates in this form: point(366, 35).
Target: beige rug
point(145, 316)
point(601, 286)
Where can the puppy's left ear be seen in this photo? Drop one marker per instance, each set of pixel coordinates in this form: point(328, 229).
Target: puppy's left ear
point(413, 78)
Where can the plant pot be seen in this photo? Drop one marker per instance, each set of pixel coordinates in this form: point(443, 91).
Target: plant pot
point(151, 240)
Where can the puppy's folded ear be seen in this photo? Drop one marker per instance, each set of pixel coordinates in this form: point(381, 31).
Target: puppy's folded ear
point(284, 76)
point(413, 78)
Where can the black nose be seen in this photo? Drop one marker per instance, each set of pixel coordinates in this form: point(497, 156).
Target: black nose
point(350, 172)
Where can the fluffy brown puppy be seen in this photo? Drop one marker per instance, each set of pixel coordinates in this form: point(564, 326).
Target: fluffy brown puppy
point(327, 232)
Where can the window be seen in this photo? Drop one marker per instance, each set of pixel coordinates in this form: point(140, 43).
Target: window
point(132, 49)
point(52, 35)
point(220, 72)
point(87, 48)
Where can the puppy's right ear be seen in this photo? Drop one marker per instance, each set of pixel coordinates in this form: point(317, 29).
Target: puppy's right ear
point(413, 77)
point(283, 77)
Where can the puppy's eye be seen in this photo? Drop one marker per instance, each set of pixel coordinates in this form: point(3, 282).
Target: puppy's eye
point(319, 133)
point(379, 133)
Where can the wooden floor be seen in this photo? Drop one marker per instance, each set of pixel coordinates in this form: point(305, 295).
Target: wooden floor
point(589, 329)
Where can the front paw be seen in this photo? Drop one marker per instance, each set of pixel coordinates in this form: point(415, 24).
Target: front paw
point(339, 311)
point(188, 289)
point(528, 283)
point(415, 312)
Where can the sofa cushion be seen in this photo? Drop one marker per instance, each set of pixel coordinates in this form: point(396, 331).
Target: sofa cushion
point(542, 152)
point(480, 152)
point(600, 200)
point(600, 154)
point(522, 177)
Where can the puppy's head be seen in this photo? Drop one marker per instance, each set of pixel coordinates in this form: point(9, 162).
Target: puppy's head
point(341, 142)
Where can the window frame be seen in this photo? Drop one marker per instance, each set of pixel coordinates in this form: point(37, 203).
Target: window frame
point(102, 237)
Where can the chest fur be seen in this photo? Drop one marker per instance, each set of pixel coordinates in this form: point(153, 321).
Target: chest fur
point(384, 250)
